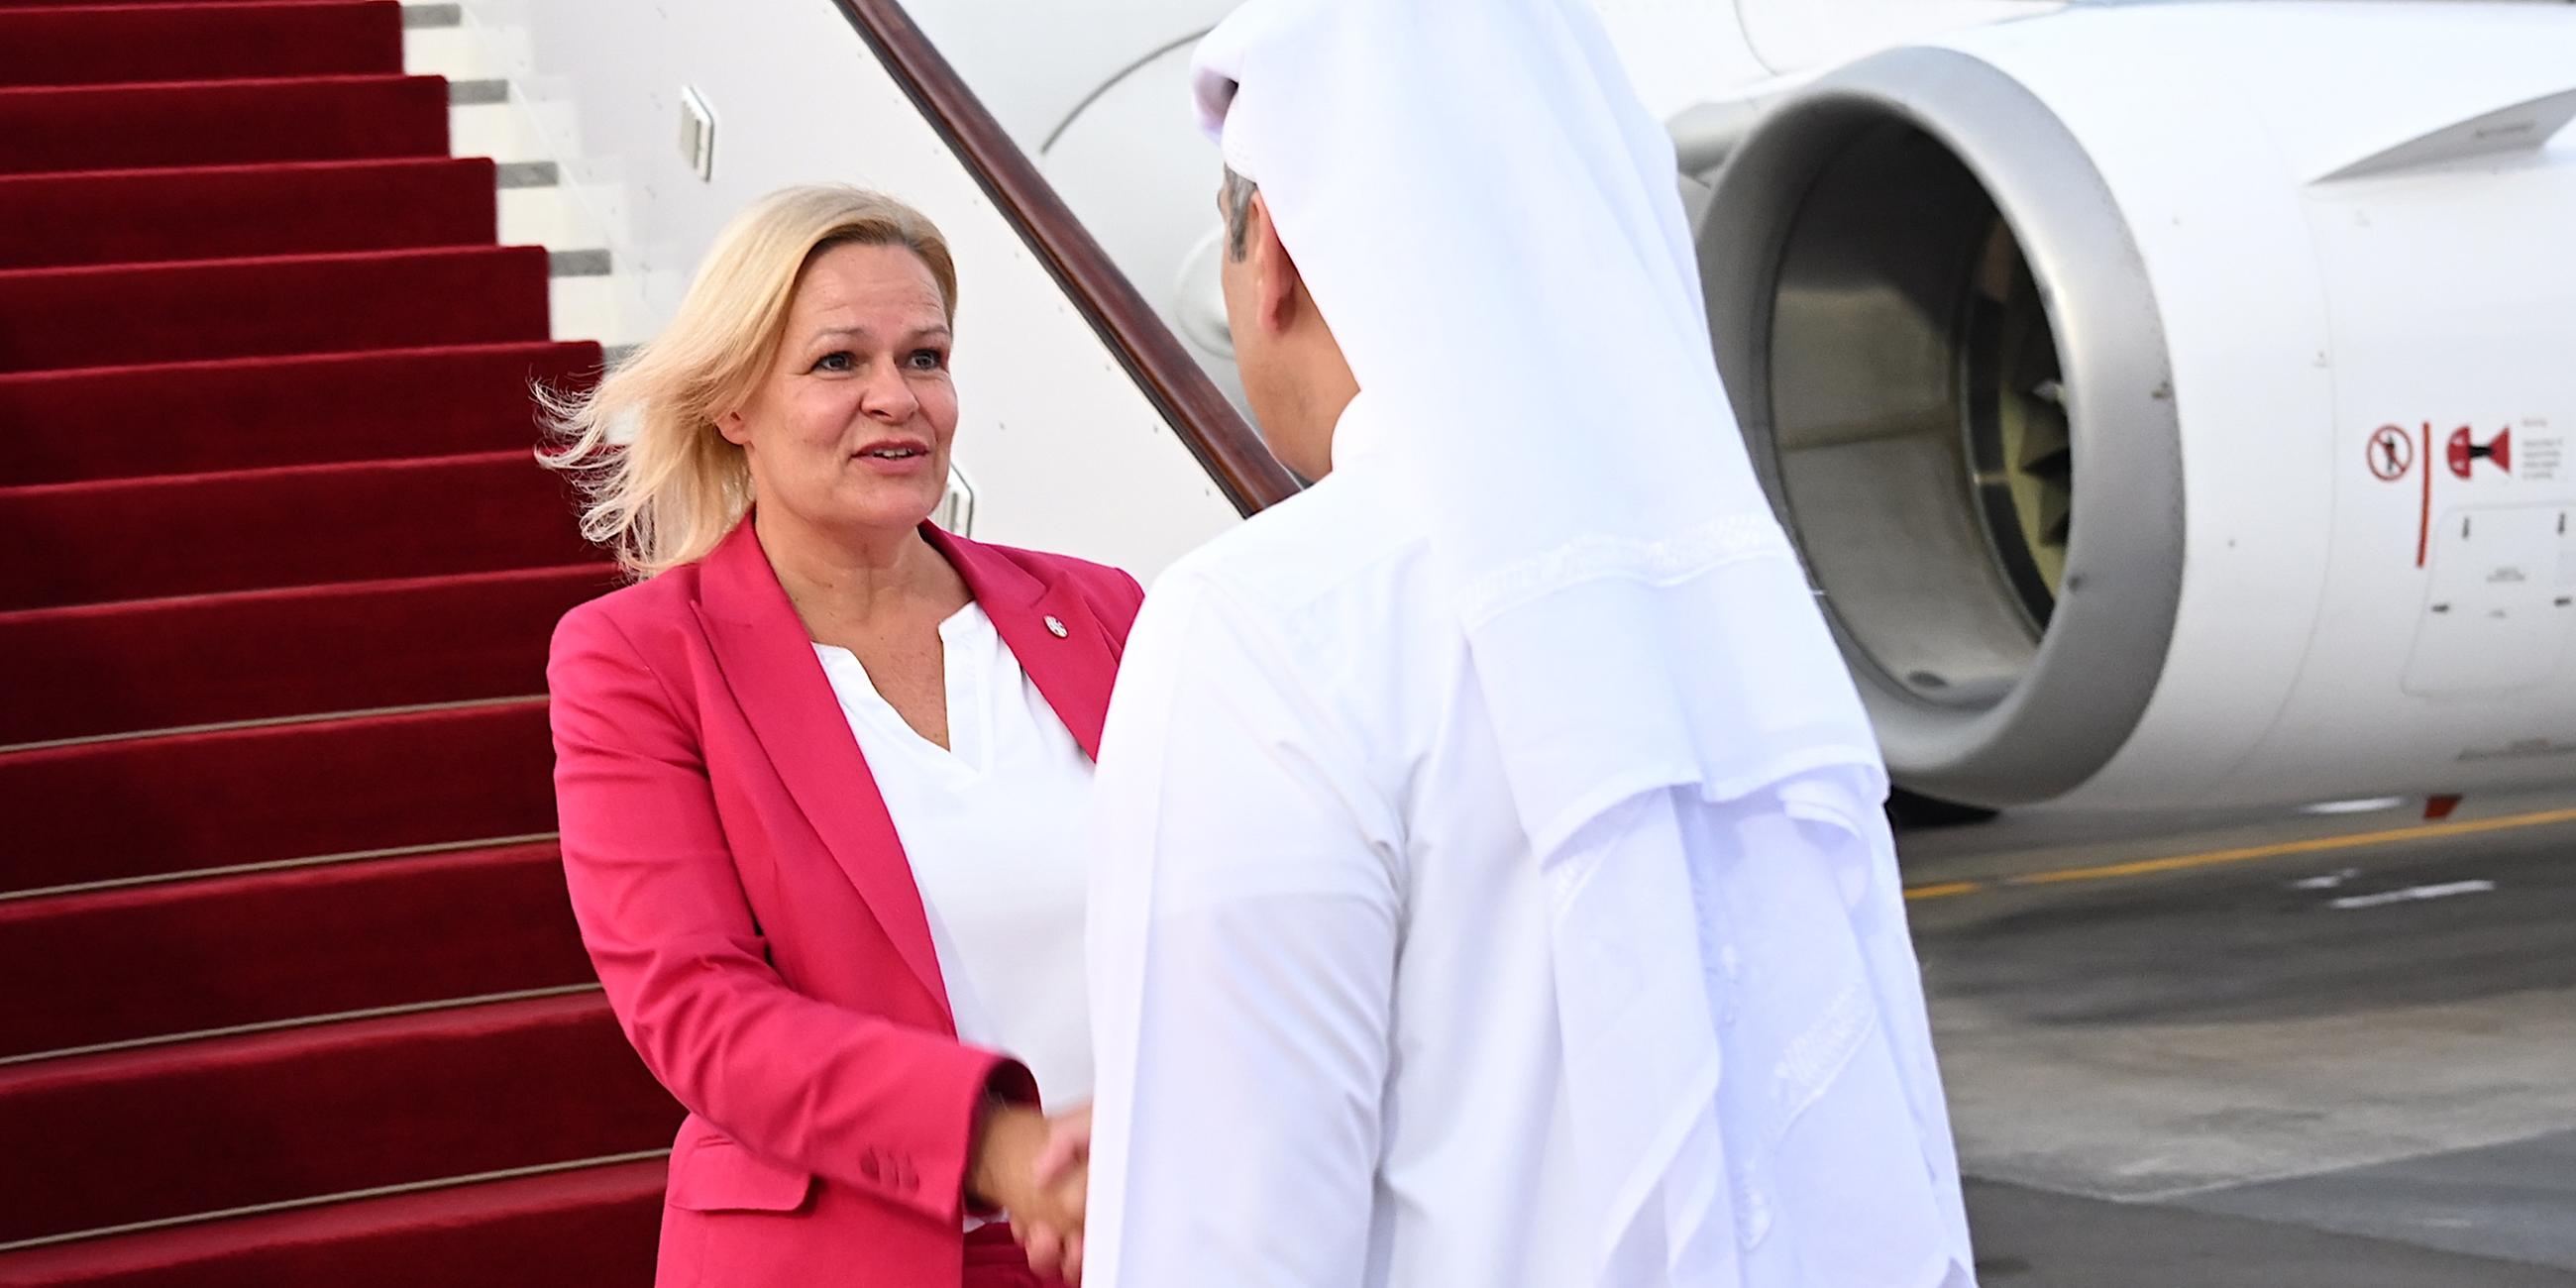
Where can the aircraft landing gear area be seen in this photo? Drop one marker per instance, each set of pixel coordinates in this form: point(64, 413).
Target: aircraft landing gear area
point(2243, 1051)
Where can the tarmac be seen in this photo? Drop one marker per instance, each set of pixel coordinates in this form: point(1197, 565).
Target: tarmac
point(2269, 1050)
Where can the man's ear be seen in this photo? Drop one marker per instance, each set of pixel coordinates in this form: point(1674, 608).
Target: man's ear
point(1274, 270)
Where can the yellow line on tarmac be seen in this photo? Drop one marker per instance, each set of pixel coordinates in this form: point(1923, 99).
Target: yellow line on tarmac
point(2246, 854)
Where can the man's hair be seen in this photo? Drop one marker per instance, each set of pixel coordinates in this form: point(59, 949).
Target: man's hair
point(1236, 197)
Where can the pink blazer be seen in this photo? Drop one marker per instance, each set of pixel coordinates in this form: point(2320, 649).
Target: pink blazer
point(753, 917)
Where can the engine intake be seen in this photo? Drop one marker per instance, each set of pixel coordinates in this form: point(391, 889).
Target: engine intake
point(1949, 368)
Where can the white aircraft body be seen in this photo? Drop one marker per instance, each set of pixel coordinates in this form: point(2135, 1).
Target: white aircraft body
point(2173, 401)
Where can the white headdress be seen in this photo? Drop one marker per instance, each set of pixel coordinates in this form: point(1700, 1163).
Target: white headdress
point(1490, 222)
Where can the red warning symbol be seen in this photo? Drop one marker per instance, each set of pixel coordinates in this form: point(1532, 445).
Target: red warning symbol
point(2392, 452)
point(2465, 455)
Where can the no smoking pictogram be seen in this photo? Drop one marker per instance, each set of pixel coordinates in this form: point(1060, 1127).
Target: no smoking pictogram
point(2392, 452)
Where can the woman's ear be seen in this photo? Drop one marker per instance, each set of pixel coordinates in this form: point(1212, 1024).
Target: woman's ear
point(734, 427)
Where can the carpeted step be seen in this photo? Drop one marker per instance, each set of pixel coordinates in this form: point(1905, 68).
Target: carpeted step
point(53, 318)
point(101, 4)
point(201, 123)
point(593, 1227)
point(219, 212)
point(259, 655)
point(197, 534)
point(105, 44)
point(186, 956)
point(183, 802)
point(212, 1125)
point(251, 413)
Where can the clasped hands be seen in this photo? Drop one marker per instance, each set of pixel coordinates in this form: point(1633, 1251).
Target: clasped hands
point(1036, 1168)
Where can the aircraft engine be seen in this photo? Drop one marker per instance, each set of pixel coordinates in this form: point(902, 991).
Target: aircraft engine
point(2171, 401)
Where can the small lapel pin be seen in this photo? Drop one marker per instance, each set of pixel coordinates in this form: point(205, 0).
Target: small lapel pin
point(1055, 628)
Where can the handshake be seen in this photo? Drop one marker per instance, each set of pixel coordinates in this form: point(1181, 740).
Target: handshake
point(1035, 1168)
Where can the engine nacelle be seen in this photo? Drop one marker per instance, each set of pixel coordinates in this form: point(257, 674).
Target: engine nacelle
point(2172, 401)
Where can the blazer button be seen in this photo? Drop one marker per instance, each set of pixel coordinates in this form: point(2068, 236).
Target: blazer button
point(1055, 628)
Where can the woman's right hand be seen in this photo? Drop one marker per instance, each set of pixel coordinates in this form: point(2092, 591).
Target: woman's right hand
point(1024, 1165)
point(1064, 1170)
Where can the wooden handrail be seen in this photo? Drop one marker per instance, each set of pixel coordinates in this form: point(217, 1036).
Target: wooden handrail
point(1229, 450)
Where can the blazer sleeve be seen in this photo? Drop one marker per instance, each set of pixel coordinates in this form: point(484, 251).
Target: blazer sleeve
point(879, 1106)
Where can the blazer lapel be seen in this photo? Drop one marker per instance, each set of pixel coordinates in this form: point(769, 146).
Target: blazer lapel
point(768, 661)
point(1064, 649)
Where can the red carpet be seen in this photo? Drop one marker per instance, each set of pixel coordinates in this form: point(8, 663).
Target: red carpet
point(194, 534)
point(268, 1117)
point(104, 811)
point(573, 1229)
point(95, 316)
point(277, 572)
point(210, 659)
point(122, 216)
point(186, 955)
point(107, 44)
point(57, 4)
point(119, 127)
point(177, 418)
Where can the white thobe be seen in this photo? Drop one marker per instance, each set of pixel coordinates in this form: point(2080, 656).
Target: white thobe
point(1323, 1004)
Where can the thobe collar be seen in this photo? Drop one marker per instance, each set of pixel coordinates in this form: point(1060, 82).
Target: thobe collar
point(1358, 436)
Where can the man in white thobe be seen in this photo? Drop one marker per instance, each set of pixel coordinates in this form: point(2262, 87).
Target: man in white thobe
point(1492, 887)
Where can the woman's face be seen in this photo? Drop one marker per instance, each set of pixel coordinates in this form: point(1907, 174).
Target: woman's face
point(850, 428)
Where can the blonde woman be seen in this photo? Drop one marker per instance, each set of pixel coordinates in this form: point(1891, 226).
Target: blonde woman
point(817, 772)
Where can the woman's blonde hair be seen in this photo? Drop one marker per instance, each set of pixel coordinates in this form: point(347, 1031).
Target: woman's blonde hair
point(661, 484)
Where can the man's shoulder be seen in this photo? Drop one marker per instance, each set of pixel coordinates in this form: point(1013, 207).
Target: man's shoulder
point(1313, 553)
point(1321, 613)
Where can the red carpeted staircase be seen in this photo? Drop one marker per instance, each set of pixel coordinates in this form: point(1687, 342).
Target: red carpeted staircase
point(289, 993)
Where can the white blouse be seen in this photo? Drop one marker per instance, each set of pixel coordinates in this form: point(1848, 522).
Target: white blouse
point(994, 827)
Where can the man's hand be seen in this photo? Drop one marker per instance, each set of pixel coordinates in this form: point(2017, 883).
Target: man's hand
point(1068, 1146)
point(1053, 1243)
